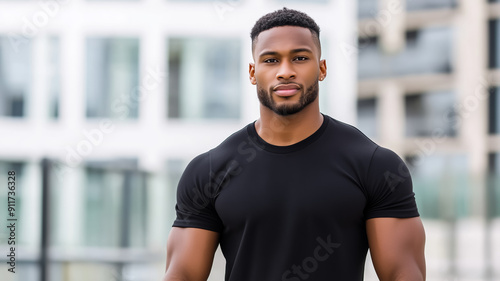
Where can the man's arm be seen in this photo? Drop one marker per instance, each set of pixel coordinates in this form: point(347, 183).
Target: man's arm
point(397, 248)
point(190, 253)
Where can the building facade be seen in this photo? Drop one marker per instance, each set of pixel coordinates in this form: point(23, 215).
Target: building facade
point(120, 96)
point(428, 88)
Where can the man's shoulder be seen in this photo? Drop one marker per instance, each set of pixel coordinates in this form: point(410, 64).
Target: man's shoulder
point(357, 145)
point(348, 135)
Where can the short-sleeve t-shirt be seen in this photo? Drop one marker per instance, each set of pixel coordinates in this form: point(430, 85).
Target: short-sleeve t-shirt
point(294, 212)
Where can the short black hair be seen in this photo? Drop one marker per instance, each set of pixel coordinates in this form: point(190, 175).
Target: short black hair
point(284, 17)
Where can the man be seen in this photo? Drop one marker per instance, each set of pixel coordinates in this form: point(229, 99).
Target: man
point(296, 195)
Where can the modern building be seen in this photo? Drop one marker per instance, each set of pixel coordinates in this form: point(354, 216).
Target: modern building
point(120, 96)
point(428, 88)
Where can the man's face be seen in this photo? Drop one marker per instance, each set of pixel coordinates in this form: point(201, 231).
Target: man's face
point(287, 69)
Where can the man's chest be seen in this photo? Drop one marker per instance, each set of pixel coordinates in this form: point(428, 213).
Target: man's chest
point(282, 188)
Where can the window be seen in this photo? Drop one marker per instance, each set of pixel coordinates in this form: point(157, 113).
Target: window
point(112, 77)
point(174, 170)
point(54, 75)
point(427, 51)
point(430, 4)
point(430, 114)
point(367, 8)
point(204, 78)
point(494, 111)
point(441, 184)
point(116, 201)
point(494, 185)
point(15, 76)
point(494, 36)
point(367, 117)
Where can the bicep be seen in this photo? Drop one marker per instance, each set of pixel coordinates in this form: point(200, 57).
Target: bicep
point(190, 253)
point(397, 248)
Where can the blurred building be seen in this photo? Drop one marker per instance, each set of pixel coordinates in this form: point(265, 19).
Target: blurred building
point(428, 88)
point(120, 96)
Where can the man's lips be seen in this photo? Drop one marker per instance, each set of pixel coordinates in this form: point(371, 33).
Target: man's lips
point(286, 90)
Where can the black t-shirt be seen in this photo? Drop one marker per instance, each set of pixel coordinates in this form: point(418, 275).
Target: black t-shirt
point(294, 212)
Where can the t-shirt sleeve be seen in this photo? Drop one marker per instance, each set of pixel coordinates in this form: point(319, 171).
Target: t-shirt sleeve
point(196, 196)
point(389, 186)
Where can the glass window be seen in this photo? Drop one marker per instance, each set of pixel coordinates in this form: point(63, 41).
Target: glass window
point(367, 116)
point(112, 77)
point(494, 111)
point(441, 184)
point(15, 76)
point(174, 168)
point(494, 36)
point(367, 8)
point(204, 78)
point(136, 202)
point(102, 208)
point(116, 201)
point(430, 4)
point(430, 114)
point(54, 75)
point(494, 185)
point(57, 184)
point(427, 51)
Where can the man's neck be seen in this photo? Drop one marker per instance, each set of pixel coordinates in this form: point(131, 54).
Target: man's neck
point(287, 130)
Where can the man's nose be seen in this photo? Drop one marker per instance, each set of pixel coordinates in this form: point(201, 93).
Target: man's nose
point(285, 71)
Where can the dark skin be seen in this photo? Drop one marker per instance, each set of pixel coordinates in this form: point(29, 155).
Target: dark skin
point(286, 56)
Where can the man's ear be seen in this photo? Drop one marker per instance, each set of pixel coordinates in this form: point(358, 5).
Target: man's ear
point(251, 72)
point(322, 69)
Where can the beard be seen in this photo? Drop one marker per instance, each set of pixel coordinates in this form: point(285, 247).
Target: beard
point(306, 98)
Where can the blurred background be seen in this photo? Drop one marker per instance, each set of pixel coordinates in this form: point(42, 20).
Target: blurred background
point(119, 95)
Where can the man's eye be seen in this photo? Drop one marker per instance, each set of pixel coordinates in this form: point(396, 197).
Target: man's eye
point(270, 60)
point(301, 58)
